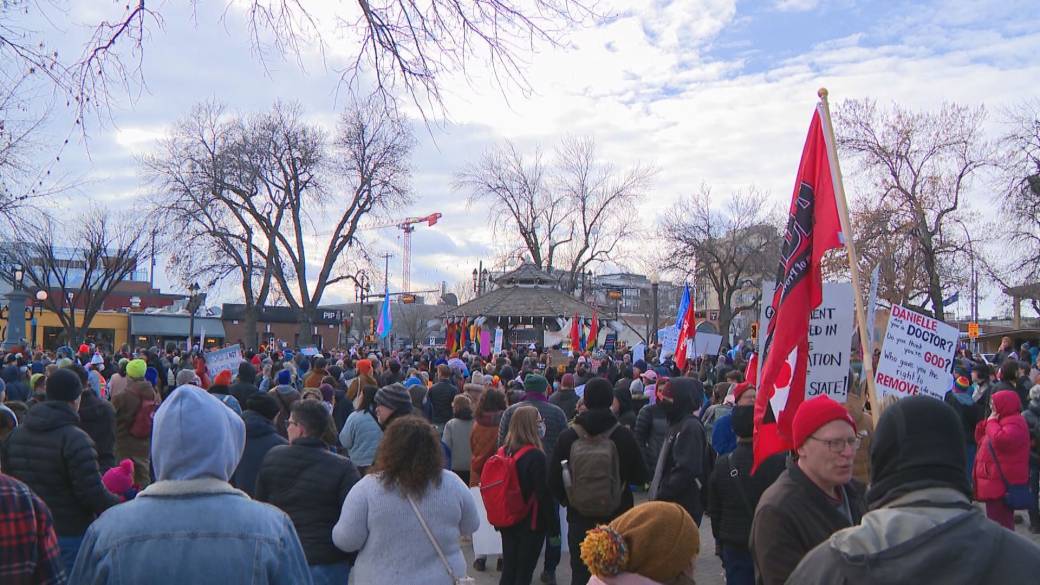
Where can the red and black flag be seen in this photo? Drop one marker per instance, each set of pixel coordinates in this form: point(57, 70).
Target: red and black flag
point(813, 228)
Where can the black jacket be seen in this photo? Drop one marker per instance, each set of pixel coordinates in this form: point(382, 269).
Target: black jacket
point(731, 513)
point(309, 483)
point(792, 517)
point(54, 457)
point(530, 471)
point(567, 400)
point(261, 437)
point(440, 396)
point(651, 430)
point(342, 410)
point(98, 418)
point(633, 472)
point(242, 391)
point(684, 471)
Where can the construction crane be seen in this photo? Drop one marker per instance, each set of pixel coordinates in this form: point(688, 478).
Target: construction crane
point(407, 226)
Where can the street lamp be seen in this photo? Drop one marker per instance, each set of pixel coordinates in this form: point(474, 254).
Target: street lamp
point(15, 308)
point(655, 283)
point(41, 296)
point(193, 290)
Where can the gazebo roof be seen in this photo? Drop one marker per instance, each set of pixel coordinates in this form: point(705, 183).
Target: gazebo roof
point(527, 274)
point(522, 301)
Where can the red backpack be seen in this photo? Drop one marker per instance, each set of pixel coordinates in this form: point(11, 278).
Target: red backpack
point(141, 428)
point(500, 490)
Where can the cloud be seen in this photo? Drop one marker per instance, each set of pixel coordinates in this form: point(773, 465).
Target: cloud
point(796, 5)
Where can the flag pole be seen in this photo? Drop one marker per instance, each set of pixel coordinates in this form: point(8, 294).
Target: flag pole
point(850, 247)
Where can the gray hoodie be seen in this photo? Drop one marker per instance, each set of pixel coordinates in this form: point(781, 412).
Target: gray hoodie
point(193, 440)
point(932, 535)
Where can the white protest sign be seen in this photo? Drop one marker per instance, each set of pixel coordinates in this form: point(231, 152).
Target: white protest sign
point(486, 540)
point(916, 356)
point(223, 359)
point(638, 352)
point(309, 351)
point(830, 339)
point(498, 341)
point(706, 344)
point(668, 337)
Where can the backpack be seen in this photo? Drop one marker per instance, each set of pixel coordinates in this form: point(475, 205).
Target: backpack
point(500, 490)
point(594, 469)
point(141, 428)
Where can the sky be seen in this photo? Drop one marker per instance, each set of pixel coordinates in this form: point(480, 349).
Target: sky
point(716, 92)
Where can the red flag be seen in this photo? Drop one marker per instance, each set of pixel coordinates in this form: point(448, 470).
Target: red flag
point(751, 371)
point(812, 229)
point(450, 339)
point(593, 332)
point(687, 331)
point(575, 335)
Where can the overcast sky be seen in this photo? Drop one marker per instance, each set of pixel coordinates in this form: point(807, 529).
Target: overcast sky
point(712, 91)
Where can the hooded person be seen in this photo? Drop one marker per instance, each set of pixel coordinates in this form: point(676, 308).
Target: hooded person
point(922, 526)
point(285, 395)
point(198, 444)
point(245, 385)
point(133, 438)
point(681, 473)
point(1003, 456)
point(597, 420)
point(655, 543)
point(261, 437)
point(14, 382)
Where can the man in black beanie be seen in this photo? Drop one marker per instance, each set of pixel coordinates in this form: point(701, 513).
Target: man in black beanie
point(56, 458)
point(597, 420)
point(922, 527)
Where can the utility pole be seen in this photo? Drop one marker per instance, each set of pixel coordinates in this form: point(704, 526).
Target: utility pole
point(386, 287)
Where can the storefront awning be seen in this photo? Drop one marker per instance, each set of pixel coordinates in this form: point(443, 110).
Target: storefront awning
point(174, 325)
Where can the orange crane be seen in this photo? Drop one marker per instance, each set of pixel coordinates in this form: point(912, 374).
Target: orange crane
point(407, 226)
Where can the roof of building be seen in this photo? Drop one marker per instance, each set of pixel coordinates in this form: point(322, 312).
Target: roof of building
point(520, 301)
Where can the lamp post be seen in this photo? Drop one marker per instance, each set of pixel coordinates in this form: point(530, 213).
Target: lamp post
point(41, 297)
point(193, 290)
point(15, 309)
point(655, 283)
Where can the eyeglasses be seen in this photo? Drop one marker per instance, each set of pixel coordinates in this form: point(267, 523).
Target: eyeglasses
point(839, 445)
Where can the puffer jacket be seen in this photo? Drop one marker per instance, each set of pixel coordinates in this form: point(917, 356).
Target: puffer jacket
point(261, 437)
point(126, 405)
point(98, 418)
point(1008, 435)
point(309, 483)
point(483, 441)
point(651, 431)
point(56, 458)
point(732, 506)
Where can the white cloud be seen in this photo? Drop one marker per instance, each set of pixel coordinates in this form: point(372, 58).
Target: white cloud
point(796, 5)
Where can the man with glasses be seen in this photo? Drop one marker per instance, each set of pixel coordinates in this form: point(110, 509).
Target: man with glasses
point(814, 497)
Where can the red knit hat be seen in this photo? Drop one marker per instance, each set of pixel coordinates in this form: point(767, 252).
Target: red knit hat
point(740, 389)
point(256, 360)
point(223, 378)
point(815, 413)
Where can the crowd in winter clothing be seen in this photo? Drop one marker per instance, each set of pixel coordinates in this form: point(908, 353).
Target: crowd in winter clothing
point(118, 467)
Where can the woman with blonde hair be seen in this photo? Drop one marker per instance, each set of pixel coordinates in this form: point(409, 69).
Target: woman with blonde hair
point(522, 542)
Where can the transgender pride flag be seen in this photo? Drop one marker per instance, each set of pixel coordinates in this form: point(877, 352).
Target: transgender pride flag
point(385, 321)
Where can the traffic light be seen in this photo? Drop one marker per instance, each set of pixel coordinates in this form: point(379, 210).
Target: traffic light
point(754, 330)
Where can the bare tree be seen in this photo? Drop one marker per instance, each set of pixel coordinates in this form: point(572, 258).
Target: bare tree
point(371, 153)
point(207, 178)
point(731, 247)
point(101, 253)
point(564, 215)
point(915, 168)
point(413, 323)
point(1020, 171)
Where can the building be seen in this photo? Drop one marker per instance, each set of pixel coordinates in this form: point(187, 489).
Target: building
point(282, 324)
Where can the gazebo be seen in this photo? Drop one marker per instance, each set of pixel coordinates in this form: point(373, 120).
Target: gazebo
point(527, 297)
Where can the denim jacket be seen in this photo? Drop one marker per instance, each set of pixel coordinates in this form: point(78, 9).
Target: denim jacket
point(192, 531)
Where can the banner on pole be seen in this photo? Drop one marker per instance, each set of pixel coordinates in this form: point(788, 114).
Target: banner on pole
point(223, 359)
point(610, 343)
point(830, 340)
point(916, 356)
point(498, 340)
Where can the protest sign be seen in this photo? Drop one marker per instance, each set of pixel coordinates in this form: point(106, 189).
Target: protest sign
point(916, 356)
point(668, 337)
point(498, 341)
point(223, 359)
point(486, 540)
point(830, 340)
point(610, 343)
point(705, 344)
point(309, 351)
point(485, 343)
point(638, 352)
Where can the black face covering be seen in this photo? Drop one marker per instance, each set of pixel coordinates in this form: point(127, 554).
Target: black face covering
point(743, 421)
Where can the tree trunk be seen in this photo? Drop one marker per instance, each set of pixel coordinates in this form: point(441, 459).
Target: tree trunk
point(251, 314)
point(306, 328)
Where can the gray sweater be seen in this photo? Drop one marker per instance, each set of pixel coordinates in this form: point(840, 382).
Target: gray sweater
point(393, 547)
point(456, 437)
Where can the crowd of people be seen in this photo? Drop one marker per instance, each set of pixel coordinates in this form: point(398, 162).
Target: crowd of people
point(357, 465)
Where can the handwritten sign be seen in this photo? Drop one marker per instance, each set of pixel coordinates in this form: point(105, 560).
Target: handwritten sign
point(916, 355)
point(223, 359)
point(705, 344)
point(668, 337)
point(830, 340)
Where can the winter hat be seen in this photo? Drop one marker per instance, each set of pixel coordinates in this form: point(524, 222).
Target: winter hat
point(83, 348)
point(742, 419)
point(120, 478)
point(919, 442)
point(740, 389)
point(256, 360)
point(327, 392)
point(598, 393)
point(567, 381)
point(364, 366)
point(34, 379)
point(246, 373)
point(7, 412)
point(649, 375)
point(284, 377)
point(223, 378)
point(64, 385)
point(535, 383)
point(656, 540)
point(1034, 393)
point(37, 367)
point(962, 384)
point(815, 413)
point(394, 397)
point(135, 369)
point(263, 404)
point(152, 375)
